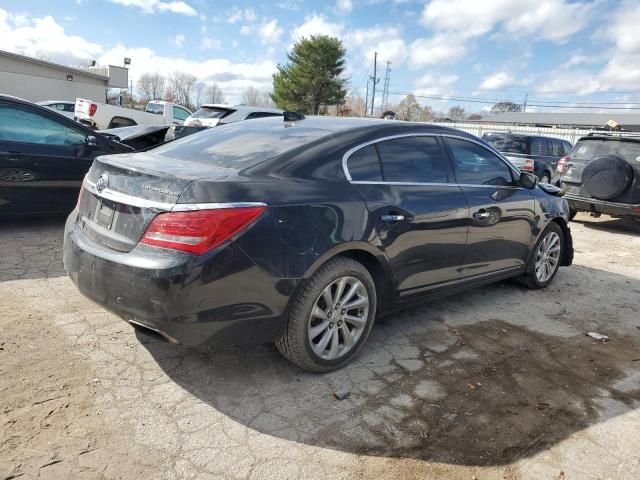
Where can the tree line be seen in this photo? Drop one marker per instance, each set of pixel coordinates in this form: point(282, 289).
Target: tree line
point(184, 89)
point(312, 81)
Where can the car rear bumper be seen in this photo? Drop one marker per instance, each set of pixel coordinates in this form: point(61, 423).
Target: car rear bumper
point(221, 297)
point(602, 206)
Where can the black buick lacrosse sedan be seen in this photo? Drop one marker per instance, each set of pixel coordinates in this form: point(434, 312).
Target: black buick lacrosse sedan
point(301, 233)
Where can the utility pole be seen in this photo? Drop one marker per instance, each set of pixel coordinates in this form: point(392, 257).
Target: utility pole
point(375, 79)
point(526, 96)
point(385, 89)
point(366, 99)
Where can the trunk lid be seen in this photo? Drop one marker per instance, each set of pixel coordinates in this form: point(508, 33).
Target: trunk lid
point(123, 193)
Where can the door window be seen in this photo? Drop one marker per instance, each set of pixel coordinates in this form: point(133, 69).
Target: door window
point(475, 165)
point(22, 125)
point(180, 113)
point(413, 159)
point(364, 165)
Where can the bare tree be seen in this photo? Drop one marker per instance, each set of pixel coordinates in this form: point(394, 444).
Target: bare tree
point(151, 86)
point(354, 104)
point(266, 100)
point(457, 113)
point(213, 94)
point(251, 97)
point(409, 109)
point(181, 86)
point(200, 94)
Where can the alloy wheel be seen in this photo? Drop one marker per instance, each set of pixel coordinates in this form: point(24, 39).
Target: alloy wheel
point(338, 318)
point(548, 256)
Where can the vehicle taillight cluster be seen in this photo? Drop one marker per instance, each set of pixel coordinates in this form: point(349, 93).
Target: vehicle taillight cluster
point(198, 231)
point(92, 109)
point(561, 163)
point(528, 165)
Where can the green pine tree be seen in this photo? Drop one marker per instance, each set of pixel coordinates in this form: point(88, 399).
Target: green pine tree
point(312, 79)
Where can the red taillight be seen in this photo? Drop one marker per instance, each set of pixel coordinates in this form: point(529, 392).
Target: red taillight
point(561, 164)
point(92, 109)
point(528, 165)
point(200, 230)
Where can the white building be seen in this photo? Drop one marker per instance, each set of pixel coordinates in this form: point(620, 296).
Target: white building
point(36, 80)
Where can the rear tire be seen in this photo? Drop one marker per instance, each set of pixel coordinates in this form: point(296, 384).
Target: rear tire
point(545, 259)
point(320, 337)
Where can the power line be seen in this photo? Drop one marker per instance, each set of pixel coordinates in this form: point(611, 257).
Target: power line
point(529, 103)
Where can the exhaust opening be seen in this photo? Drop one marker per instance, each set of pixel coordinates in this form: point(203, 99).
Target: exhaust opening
point(152, 332)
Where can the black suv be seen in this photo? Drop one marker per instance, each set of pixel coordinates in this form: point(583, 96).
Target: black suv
point(535, 154)
point(602, 175)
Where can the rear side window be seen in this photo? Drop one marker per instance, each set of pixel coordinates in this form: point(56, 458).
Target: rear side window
point(506, 142)
point(363, 165)
point(211, 112)
point(262, 115)
point(589, 149)
point(413, 159)
point(157, 108)
point(539, 146)
point(475, 165)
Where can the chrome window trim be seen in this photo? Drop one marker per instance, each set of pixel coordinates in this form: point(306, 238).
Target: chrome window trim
point(435, 184)
point(351, 151)
point(132, 201)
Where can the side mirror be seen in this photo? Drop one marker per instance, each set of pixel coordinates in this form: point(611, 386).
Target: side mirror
point(91, 141)
point(528, 180)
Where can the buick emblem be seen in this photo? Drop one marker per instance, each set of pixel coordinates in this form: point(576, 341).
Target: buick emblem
point(102, 183)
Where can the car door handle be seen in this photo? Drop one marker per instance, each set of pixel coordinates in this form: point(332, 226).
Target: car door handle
point(392, 218)
point(481, 214)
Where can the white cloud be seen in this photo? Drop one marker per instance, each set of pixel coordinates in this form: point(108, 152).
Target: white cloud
point(236, 15)
point(178, 40)
point(315, 24)
point(436, 50)
point(231, 77)
point(497, 81)
point(344, 6)
point(456, 23)
point(554, 20)
point(434, 84)
point(270, 32)
point(210, 43)
point(158, 6)
point(387, 41)
point(44, 38)
point(622, 29)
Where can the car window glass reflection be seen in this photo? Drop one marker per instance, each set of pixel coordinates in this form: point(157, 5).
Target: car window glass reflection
point(19, 125)
point(475, 165)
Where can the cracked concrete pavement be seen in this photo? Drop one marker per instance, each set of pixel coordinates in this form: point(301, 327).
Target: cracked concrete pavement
point(495, 383)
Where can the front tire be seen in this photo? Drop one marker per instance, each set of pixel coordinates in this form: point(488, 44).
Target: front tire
point(545, 259)
point(330, 317)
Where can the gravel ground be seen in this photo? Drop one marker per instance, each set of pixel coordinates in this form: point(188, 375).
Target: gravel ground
point(496, 383)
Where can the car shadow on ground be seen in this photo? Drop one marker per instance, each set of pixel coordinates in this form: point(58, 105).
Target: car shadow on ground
point(613, 225)
point(31, 248)
point(482, 378)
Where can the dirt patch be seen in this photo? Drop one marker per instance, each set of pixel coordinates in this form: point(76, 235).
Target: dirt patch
point(500, 393)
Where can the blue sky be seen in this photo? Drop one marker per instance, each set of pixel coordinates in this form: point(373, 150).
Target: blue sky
point(553, 50)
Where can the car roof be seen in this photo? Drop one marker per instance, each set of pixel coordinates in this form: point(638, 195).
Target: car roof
point(241, 108)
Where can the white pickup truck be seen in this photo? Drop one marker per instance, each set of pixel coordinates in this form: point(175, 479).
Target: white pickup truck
point(102, 116)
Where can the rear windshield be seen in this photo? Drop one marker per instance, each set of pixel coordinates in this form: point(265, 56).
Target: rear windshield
point(506, 142)
point(157, 108)
point(240, 145)
point(211, 112)
point(589, 149)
